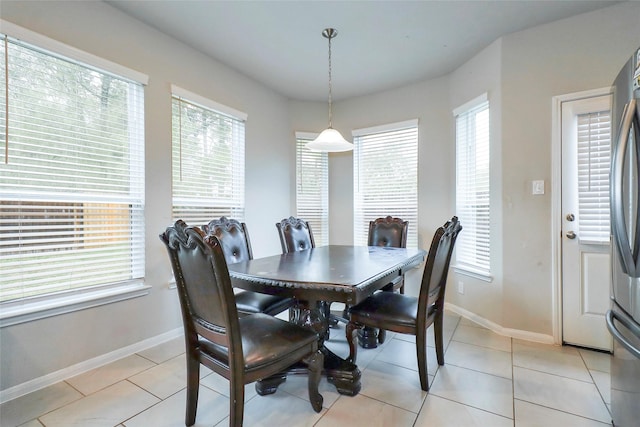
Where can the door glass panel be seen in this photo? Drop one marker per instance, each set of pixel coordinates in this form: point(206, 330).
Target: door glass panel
point(594, 159)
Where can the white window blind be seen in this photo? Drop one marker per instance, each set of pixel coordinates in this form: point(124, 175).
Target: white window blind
point(207, 162)
point(312, 188)
point(472, 187)
point(385, 164)
point(594, 158)
point(71, 176)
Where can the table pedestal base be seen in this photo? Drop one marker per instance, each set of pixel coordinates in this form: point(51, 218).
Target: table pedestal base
point(368, 337)
point(342, 373)
point(270, 385)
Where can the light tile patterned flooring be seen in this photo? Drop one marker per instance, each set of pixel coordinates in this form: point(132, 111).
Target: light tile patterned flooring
point(487, 380)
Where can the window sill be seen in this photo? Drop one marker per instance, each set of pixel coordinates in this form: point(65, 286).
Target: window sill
point(476, 274)
point(27, 311)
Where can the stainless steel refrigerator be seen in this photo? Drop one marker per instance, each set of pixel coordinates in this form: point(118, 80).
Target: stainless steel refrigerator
point(623, 320)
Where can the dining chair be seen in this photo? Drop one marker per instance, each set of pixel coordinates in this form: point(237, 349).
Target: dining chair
point(392, 233)
point(236, 246)
point(410, 315)
point(241, 349)
point(387, 232)
point(295, 235)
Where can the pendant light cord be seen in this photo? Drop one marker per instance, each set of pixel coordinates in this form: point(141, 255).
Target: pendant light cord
point(330, 92)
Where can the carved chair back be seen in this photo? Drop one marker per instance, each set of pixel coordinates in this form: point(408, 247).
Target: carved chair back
point(234, 238)
point(389, 232)
point(434, 278)
point(295, 235)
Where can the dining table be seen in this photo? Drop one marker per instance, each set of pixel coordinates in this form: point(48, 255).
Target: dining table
point(317, 277)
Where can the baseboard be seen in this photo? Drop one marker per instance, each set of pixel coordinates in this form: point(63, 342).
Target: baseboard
point(508, 332)
point(79, 368)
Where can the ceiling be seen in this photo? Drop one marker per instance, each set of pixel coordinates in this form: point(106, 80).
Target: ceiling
point(380, 44)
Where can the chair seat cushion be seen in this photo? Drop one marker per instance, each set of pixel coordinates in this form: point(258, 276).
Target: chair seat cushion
point(249, 302)
point(386, 308)
point(267, 339)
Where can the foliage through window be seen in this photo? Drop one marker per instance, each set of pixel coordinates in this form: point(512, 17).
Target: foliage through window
point(207, 160)
point(385, 164)
point(72, 175)
point(312, 188)
point(472, 186)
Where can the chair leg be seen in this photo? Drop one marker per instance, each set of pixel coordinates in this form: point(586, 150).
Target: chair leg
point(351, 331)
point(333, 321)
point(421, 350)
point(345, 312)
point(193, 386)
point(382, 335)
point(236, 402)
point(437, 332)
point(315, 363)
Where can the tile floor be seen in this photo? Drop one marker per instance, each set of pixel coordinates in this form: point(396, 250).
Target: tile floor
point(488, 380)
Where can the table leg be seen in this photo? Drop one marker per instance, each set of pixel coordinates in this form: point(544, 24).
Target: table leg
point(311, 315)
point(343, 374)
point(270, 384)
point(368, 337)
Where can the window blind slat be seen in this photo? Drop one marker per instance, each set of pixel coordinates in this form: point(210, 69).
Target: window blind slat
point(473, 186)
point(385, 178)
point(594, 157)
point(312, 189)
point(207, 161)
point(72, 191)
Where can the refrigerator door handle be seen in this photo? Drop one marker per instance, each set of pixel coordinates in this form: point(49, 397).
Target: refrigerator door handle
point(618, 223)
point(610, 316)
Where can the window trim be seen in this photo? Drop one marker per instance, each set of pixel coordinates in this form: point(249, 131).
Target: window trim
point(44, 306)
point(71, 52)
point(14, 313)
point(194, 98)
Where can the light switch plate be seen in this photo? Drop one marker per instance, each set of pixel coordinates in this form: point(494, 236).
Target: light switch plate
point(537, 187)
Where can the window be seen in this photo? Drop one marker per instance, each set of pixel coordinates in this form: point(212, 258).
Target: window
point(385, 165)
point(207, 159)
point(594, 159)
point(312, 188)
point(71, 179)
point(472, 185)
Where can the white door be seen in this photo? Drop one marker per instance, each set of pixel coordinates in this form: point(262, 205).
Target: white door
point(586, 272)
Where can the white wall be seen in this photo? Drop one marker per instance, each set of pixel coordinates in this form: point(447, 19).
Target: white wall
point(582, 53)
point(483, 74)
point(38, 348)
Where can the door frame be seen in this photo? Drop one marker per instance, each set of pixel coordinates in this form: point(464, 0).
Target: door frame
point(556, 202)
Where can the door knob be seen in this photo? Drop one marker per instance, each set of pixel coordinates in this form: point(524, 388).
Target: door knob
point(570, 217)
point(571, 235)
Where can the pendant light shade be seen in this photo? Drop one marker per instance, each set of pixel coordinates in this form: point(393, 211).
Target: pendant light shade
point(330, 139)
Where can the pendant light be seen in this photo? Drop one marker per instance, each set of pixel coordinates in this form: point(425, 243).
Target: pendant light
point(330, 139)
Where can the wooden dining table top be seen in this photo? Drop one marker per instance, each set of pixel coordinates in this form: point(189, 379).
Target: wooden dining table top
point(334, 273)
